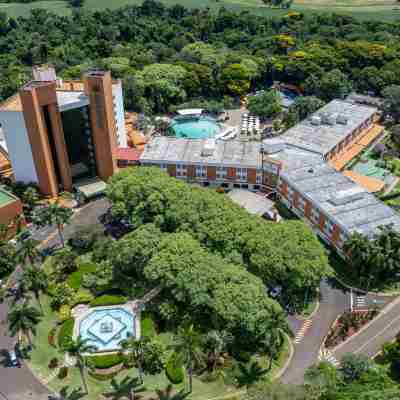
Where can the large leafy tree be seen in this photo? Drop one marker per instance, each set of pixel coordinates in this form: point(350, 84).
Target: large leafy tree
point(22, 319)
point(54, 214)
point(188, 347)
point(35, 280)
point(266, 104)
point(78, 348)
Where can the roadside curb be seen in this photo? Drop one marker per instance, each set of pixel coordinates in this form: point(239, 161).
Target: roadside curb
point(288, 361)
point(392, 294)
point(367, 325)
point(312, 315)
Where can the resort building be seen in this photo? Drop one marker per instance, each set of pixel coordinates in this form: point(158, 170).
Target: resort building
point(10, 211)
point(299, 167)
point(59, 132)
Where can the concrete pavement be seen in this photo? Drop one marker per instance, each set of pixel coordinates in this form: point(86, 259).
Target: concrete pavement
point(334, 301)
point(369, 341)
point(20, 383)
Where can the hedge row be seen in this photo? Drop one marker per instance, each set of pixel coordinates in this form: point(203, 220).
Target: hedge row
point(174, 370)
point(106, 361)
point(108, 300)
point(65, 333)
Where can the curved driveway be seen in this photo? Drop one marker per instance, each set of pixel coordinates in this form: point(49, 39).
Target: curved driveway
point(334, 301)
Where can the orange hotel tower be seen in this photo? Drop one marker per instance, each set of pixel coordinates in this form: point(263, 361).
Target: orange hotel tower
point(58, 133)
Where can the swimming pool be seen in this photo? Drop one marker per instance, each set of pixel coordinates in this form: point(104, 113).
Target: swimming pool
point(106, 328)
point(195, 127)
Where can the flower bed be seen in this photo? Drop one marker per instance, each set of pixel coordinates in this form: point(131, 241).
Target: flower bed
point(347, 325)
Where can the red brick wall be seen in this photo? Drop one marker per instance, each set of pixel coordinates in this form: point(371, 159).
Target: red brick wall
point(321, 222)
point(231, 173)
point(211, 173)
point(191, 171)
point(171, 169)
point(8, 214)
point(307, 209)
point(252, 175)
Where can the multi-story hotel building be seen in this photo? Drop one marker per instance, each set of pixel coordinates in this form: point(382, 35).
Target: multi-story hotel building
point(59, 132)
point(297, 166)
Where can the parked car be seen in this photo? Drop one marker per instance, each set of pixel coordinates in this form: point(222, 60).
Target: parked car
point(14, 361)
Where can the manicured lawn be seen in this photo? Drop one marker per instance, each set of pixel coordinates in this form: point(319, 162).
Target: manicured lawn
point(43, 353)
point(364, 9)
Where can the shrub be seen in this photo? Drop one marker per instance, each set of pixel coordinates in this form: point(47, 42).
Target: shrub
point(108, 300)
point(62, 373)
point(51, 338)
point(242, 356)
point(153, 354)
point(103, 377)
point(147, 326)
point(62, 294)
point(106, 361)
point(82, 296)
point(65, 333)
point(75, 279)
point(64, 313)
point(53, 363)
point(173, 370)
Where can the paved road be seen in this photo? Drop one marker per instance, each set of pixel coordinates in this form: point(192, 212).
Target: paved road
point(369, 342)
point(334, 301)
point(20, 383)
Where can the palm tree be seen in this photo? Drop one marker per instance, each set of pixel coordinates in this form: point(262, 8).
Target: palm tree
point(28, 250)
point(35, 280)
point(135, 348)
point(216, 342)
point(22, 319)
point(54, 214)
point(187, 346)
point(248, 375)
point(126, 387)
point(77, 348)
point(169, 394)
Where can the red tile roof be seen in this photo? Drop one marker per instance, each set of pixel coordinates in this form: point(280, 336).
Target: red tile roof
point(128, 154)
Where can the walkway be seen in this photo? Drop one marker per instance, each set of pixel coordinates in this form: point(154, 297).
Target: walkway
point(334, 301)
point(20, 383)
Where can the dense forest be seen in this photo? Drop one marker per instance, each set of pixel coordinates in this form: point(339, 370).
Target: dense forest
point(168, 56)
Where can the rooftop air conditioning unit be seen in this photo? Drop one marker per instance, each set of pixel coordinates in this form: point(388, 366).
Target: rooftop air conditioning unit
point(342, 119)
point(208, 148)
point(315, 120)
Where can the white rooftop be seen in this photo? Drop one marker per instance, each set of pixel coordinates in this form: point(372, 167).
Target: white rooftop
point(70, 100)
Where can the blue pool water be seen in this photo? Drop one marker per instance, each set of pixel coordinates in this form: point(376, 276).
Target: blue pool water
point(106, 328)
point(195, 127)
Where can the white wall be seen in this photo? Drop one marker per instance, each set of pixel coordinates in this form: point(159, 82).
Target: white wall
point(119, 114)
point(18, 146)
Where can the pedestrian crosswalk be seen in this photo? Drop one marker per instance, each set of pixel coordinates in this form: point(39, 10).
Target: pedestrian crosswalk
point(326, 355)
point(361, 302)
point(302, 331)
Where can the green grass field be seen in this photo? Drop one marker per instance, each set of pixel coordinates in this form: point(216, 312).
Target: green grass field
point(364, 9)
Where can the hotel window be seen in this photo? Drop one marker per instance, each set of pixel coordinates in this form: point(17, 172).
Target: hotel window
point(301, 204)
point(181, 170)
point(201, 171)
point(163, 167)
point(222, 172)
point(314, 216)
point(328, 228)
point(259, 176)
point(241, 174)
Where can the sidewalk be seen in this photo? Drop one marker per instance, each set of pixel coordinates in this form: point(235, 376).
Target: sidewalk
point(370, 340)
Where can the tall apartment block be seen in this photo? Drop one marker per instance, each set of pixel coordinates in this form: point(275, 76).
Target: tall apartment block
point(59, 132)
